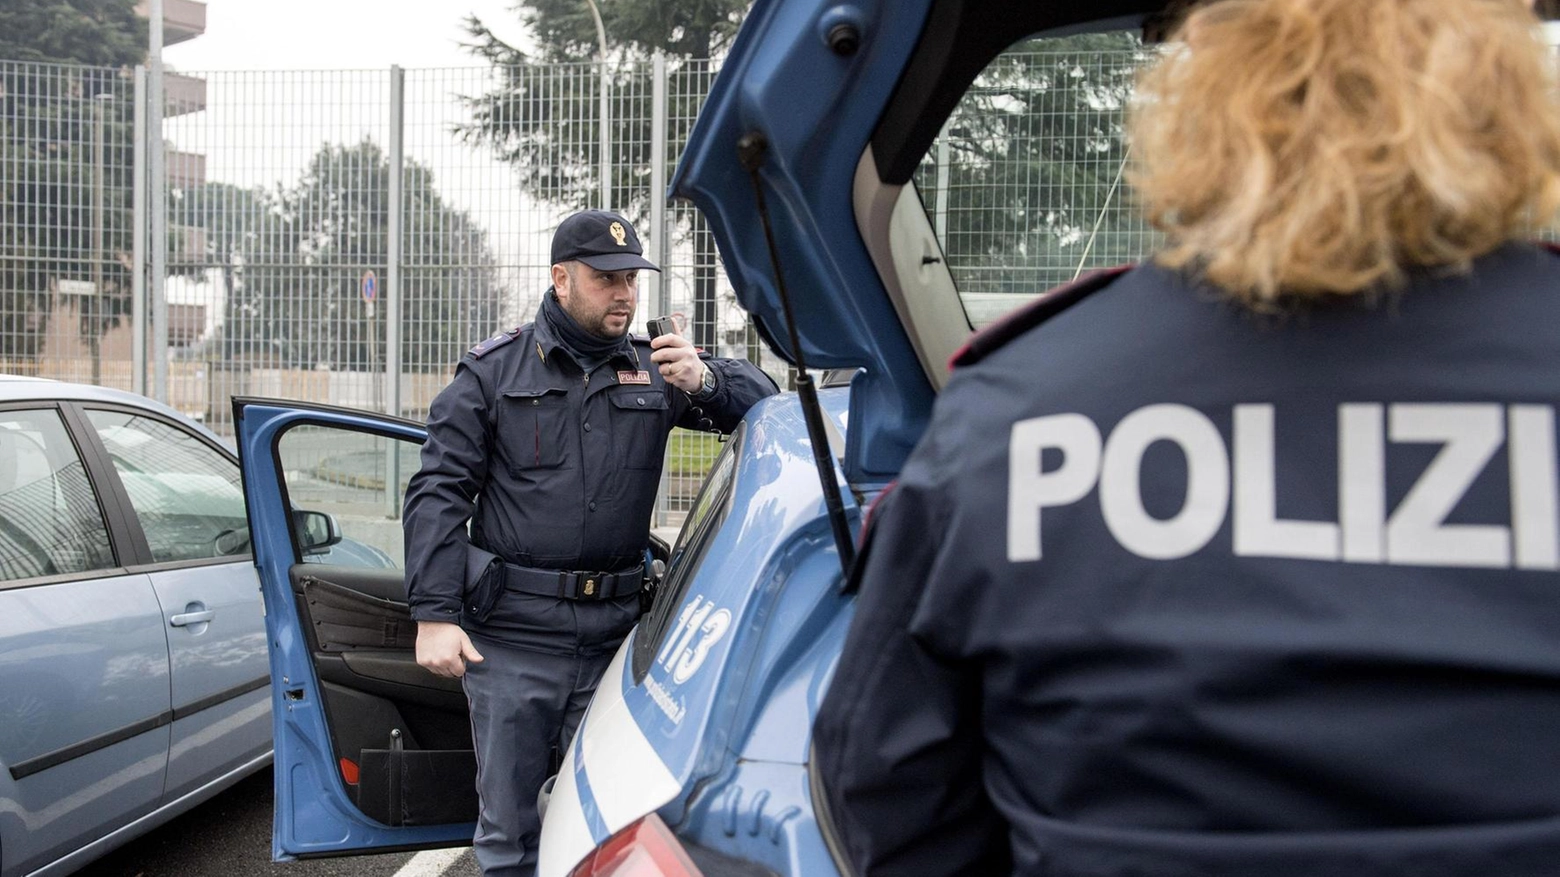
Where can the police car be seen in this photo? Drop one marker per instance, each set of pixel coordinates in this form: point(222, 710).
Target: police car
point(839, 211)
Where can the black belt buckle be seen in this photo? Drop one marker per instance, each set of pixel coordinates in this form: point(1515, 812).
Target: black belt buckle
point(586, 585)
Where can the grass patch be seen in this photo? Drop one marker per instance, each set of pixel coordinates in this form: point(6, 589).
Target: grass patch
point(691, 453)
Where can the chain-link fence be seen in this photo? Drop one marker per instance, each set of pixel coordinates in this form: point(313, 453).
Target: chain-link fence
point(344, 236)
point(1025, 186)
point(298, 242)
point(66, 220)
point(336, 236)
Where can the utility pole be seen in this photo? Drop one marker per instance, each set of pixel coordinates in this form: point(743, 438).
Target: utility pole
point(93, 321)
point(606, 138)
point(158, 201)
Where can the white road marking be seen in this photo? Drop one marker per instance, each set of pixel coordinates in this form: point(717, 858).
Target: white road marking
point(431, 863)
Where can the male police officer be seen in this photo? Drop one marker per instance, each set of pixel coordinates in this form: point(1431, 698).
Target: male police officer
point(549, 441)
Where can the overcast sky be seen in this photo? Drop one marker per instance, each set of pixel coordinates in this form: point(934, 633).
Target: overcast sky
point(337, 34)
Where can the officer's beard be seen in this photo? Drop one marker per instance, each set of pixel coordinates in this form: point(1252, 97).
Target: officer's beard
point(596, 323)
point(592, 320)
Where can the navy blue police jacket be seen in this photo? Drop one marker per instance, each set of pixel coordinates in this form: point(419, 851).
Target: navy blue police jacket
point(1170, 589)
point(554, 469)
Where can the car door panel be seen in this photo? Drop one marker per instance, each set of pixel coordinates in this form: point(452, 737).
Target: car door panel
point(372, 751)
point(183, 495)
point(85, 713)
point(221, 707)
point(366, 639)
point(404, 728)
point(84, 672)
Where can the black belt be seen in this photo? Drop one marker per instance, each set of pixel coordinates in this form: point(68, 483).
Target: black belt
point(572, 584)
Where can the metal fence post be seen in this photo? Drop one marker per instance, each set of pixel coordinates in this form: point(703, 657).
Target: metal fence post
point(392, 290)
point(97, 233)
point(158, 201)
point(138, 239)
point(604, 110)
point(660, 227)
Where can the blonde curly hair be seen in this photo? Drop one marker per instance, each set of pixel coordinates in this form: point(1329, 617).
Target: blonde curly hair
point(1301, 148)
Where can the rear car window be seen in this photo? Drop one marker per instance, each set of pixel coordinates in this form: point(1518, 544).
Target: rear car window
point(1024, 187)
point(187, 495)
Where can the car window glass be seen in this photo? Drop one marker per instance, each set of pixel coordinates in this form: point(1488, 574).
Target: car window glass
point(343, 474)
point(186, 494)
point(1025, 188)
point(693, 541)
point(50, 520)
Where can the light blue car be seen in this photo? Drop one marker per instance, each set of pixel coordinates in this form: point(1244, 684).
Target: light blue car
point(133, 678)
point(818, 163)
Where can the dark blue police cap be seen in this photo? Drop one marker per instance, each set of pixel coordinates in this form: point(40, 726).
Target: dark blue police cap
point(601, 239)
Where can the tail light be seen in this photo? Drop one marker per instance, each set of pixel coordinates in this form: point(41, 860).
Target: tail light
point(646, 848)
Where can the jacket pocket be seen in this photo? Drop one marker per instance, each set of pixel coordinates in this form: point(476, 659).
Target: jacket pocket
point(639, 428)
point(533, 428)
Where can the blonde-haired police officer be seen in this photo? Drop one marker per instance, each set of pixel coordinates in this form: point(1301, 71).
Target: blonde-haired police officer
point(1261, 575)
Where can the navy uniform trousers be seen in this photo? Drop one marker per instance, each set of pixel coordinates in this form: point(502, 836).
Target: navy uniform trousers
point(525, 707)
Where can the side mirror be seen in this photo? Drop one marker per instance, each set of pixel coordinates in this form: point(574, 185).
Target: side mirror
point(317, 531)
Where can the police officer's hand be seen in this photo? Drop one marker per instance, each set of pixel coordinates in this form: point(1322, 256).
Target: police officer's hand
point(444, 648)
point(679, 362)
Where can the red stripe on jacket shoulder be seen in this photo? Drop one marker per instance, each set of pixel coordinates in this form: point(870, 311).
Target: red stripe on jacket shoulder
point(1048, 305)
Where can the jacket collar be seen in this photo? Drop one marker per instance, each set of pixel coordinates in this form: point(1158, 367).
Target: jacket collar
point(548, 343)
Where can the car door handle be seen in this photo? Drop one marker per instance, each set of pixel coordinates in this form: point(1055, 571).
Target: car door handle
point(184, 618)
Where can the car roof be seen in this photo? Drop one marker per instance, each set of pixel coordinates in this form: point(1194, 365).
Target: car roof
point(14, 388)
point(24, 388)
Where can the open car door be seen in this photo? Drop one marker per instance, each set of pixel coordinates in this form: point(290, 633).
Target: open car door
point(372, 751)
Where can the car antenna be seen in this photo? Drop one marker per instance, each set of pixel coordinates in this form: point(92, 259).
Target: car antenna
point(750, 152)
